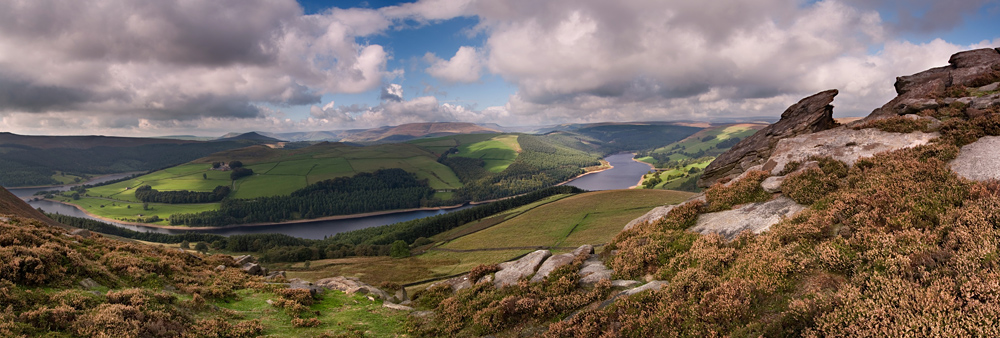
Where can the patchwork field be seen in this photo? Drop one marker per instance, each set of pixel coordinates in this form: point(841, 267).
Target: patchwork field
point(559, 221)
point(276, 172)
point(498, 152)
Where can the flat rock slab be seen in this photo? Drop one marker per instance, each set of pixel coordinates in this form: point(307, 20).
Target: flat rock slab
point(843, 144)
point(351, 285)
point(552, 263)
point(511, 272)
point(754, 217)
point(979, 160)
point(654, 215)
point(593, 271)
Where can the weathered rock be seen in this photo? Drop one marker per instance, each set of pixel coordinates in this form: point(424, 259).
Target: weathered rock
point(986, 102)
point(843, 144)
point(81, 232)
point(457, 283)
point(655, 285)
point(990, 87)
point(624, 283)
point(810, 115)
point(511, 272)
point(88, 283)
point(240, 260)
point(220, 268)
point(585, 249)
point(422, 314)
point(913, 106)
point(654, 215)
point(253, 269)
point(593, 271)
point(754, 217)
point(400, 295)
point(351, 285)
point(397, 306)
point(300, 284)
point(966, 68)
point(550, 264)
point(979, 160)
point(276, 275)
point(772, 184)
point(932, 123)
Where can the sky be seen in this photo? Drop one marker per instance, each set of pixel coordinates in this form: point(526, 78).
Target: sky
point(206, 68)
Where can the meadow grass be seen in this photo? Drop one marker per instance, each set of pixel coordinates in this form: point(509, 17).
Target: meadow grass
point(132, 210)
point(589, 218)
point(498, 152)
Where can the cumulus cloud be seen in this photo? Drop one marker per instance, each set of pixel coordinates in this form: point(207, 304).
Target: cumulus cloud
point(392, 92)
point(174, 59)
point(465, 66)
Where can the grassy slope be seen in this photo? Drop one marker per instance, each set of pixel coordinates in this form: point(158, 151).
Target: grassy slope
point(694, 144)
point(277, 172)
point(498, 152)
point(589, 218)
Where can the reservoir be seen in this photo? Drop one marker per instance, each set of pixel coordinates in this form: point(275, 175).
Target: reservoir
point(624, 174)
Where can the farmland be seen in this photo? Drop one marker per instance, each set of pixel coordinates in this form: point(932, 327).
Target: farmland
point(562, 221)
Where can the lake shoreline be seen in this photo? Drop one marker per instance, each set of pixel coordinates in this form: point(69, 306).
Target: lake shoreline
point(95, 178)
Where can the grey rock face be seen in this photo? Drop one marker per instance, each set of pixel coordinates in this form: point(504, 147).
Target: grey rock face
point(550, 264)
point(754, 217)
point(843, 144)
point(240, 260)
point(979, 160)
point(275, 275)
point(253, 269)
point(304, 285)
point(511, 272)
point(990, 87)
point(772, 184)
point(397, 306)
point(585, 249)
point(811, 114)
point(624, 283)
point(351, 285)
point(965, 67)
point(457, 283)
point(593, 271)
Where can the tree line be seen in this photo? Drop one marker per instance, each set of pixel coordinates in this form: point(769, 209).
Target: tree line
point(384, 189)
point(147, 194)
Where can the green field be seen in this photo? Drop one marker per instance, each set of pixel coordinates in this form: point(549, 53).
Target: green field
point(558, 221)
point(132, 210)
point(277, 172)
point(439, 145)
point(694, 143)
point(676, 160)
point(498, 152)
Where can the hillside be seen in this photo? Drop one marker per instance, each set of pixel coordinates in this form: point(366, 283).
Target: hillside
point(11, 205)
point(411, 131)
point(56, 284)
point(251, 136)
point(81, 142)
point(886, 226)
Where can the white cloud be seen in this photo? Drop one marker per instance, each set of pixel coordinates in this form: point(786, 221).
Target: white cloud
point(465, 66)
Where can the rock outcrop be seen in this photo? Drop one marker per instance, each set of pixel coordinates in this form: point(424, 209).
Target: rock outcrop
point(809, 115)
point(979, 160)
point(753, 217)
point(351, 285)
point(843, 144)
point(511, 272)
point(972, 68)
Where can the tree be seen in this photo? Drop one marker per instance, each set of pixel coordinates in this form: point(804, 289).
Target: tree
point(145, 206)
point(204, 176)
point(216, 165)
point(399, 249)
point(235, 164)
point(185, 245)
point(201, 247)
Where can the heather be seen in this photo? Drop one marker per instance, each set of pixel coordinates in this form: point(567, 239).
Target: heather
point(895, 245)
point(151, 291)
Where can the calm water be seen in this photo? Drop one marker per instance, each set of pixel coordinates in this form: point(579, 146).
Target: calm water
point(626, 173)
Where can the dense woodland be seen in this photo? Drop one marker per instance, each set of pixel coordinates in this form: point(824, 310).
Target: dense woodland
point(147, 194)
point(27, 166)
point(385, 189)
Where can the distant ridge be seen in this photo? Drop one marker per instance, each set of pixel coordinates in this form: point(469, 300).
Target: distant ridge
point(252, 136)
point(411, 131)
point(82, 142)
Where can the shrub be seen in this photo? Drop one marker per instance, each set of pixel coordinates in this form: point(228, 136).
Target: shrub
point(895, 124)
point(747, 190)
